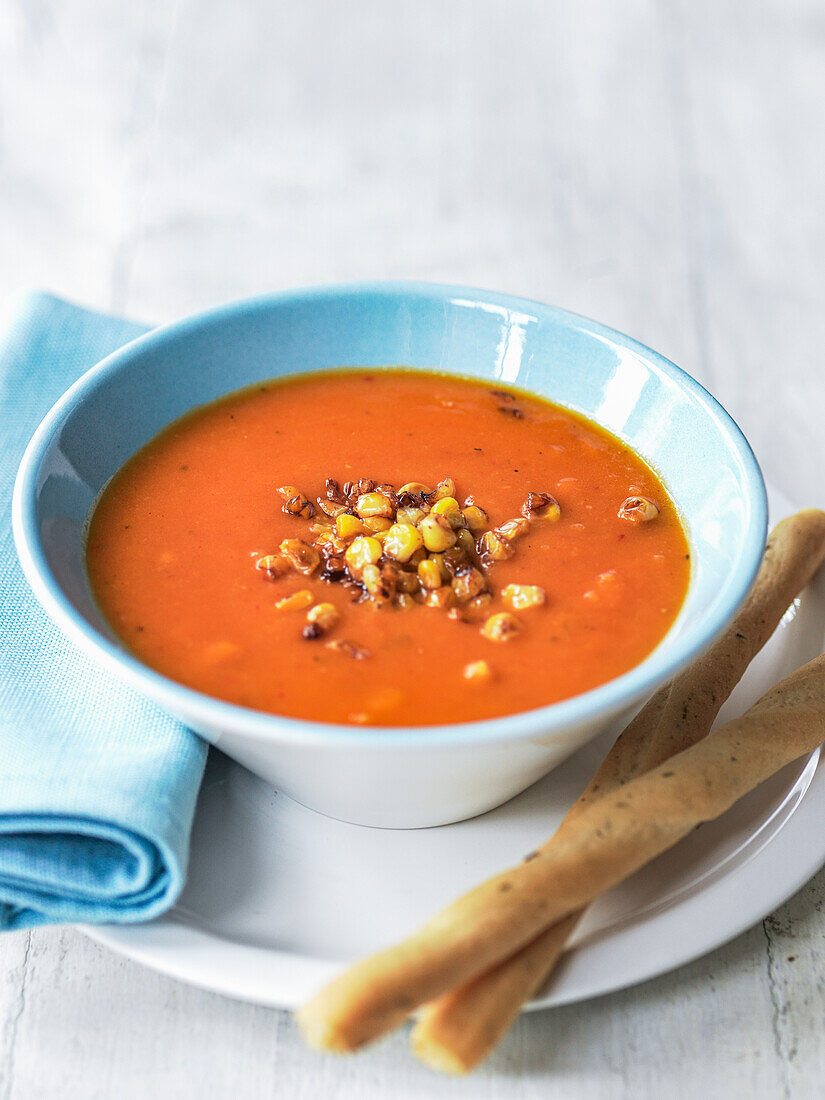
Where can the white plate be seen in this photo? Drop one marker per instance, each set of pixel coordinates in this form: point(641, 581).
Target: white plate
point(278, 897)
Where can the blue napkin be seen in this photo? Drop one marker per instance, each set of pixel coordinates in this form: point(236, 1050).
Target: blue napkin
point(97, 786)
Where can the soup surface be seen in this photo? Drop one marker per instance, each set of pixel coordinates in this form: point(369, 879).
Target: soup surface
point(187, 555)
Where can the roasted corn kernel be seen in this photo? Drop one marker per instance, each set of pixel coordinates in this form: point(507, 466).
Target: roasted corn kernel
point(331, 507)
point(411, 515)
point(390, 576)
point(302, 557)
point(429, 574)
point(467, 584)
point(407, 582)
point(378, 603)
point(371, 580)
point(476, 518)
point(363, 550)
point(478, 672)
point(440, 597)
point(444, 489)
point(638, 510)
point(374, 504)
point(390, 571)
point(355, 489)
point(466, 542)
point(323, 615)
point(328, 542)
point(341, 645)
point(333, 570)
point(521, 597)
point(448, 507)
point(402, 541)
point(492, 547)
point(479, 604)
point(321, 528)
point(501, 627)
point(513, 529)
point(454, 560)
point(333, 491)
point(274, 565)
point(437, 533)
point(348, 526)
point(298, 601)
point(377, 524)
point(298, 505)
point(414, 487)
point(541, 506)
point(442, 567)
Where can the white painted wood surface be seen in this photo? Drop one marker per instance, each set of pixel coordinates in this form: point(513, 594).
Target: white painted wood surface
point(659, 166)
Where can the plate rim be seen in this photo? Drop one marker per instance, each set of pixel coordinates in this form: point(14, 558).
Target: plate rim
point(172, 946)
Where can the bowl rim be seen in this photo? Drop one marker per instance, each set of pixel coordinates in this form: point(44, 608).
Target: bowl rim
point(601, 702)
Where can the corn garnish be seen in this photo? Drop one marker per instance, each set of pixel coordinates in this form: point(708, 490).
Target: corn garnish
point(477, 672)
point(638, 510)
point(410, 547)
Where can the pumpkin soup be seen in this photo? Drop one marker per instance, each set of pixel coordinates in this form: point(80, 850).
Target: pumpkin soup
point(387, 547)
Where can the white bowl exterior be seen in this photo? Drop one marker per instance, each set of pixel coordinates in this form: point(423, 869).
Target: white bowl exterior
point(405, 788)
point(423, 776)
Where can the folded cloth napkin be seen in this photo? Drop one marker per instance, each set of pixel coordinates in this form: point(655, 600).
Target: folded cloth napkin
point(97, 786)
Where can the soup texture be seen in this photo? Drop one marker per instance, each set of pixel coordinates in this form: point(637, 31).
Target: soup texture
point(387, 547)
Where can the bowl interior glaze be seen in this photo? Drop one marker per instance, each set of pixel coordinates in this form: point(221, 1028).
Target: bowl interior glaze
point(683, 433)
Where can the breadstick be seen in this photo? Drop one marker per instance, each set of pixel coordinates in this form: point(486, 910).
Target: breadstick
point(612, 838)
point(457, 1030)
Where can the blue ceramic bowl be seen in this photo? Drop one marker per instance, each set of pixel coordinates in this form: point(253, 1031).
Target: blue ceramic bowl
point(413, 776)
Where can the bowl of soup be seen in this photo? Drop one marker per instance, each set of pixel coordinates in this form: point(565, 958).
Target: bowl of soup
point(399, 549)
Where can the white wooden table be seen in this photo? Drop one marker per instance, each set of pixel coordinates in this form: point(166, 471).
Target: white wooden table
point(659, 166)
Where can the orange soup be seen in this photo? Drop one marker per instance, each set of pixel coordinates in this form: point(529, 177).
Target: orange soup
point(387, 547)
